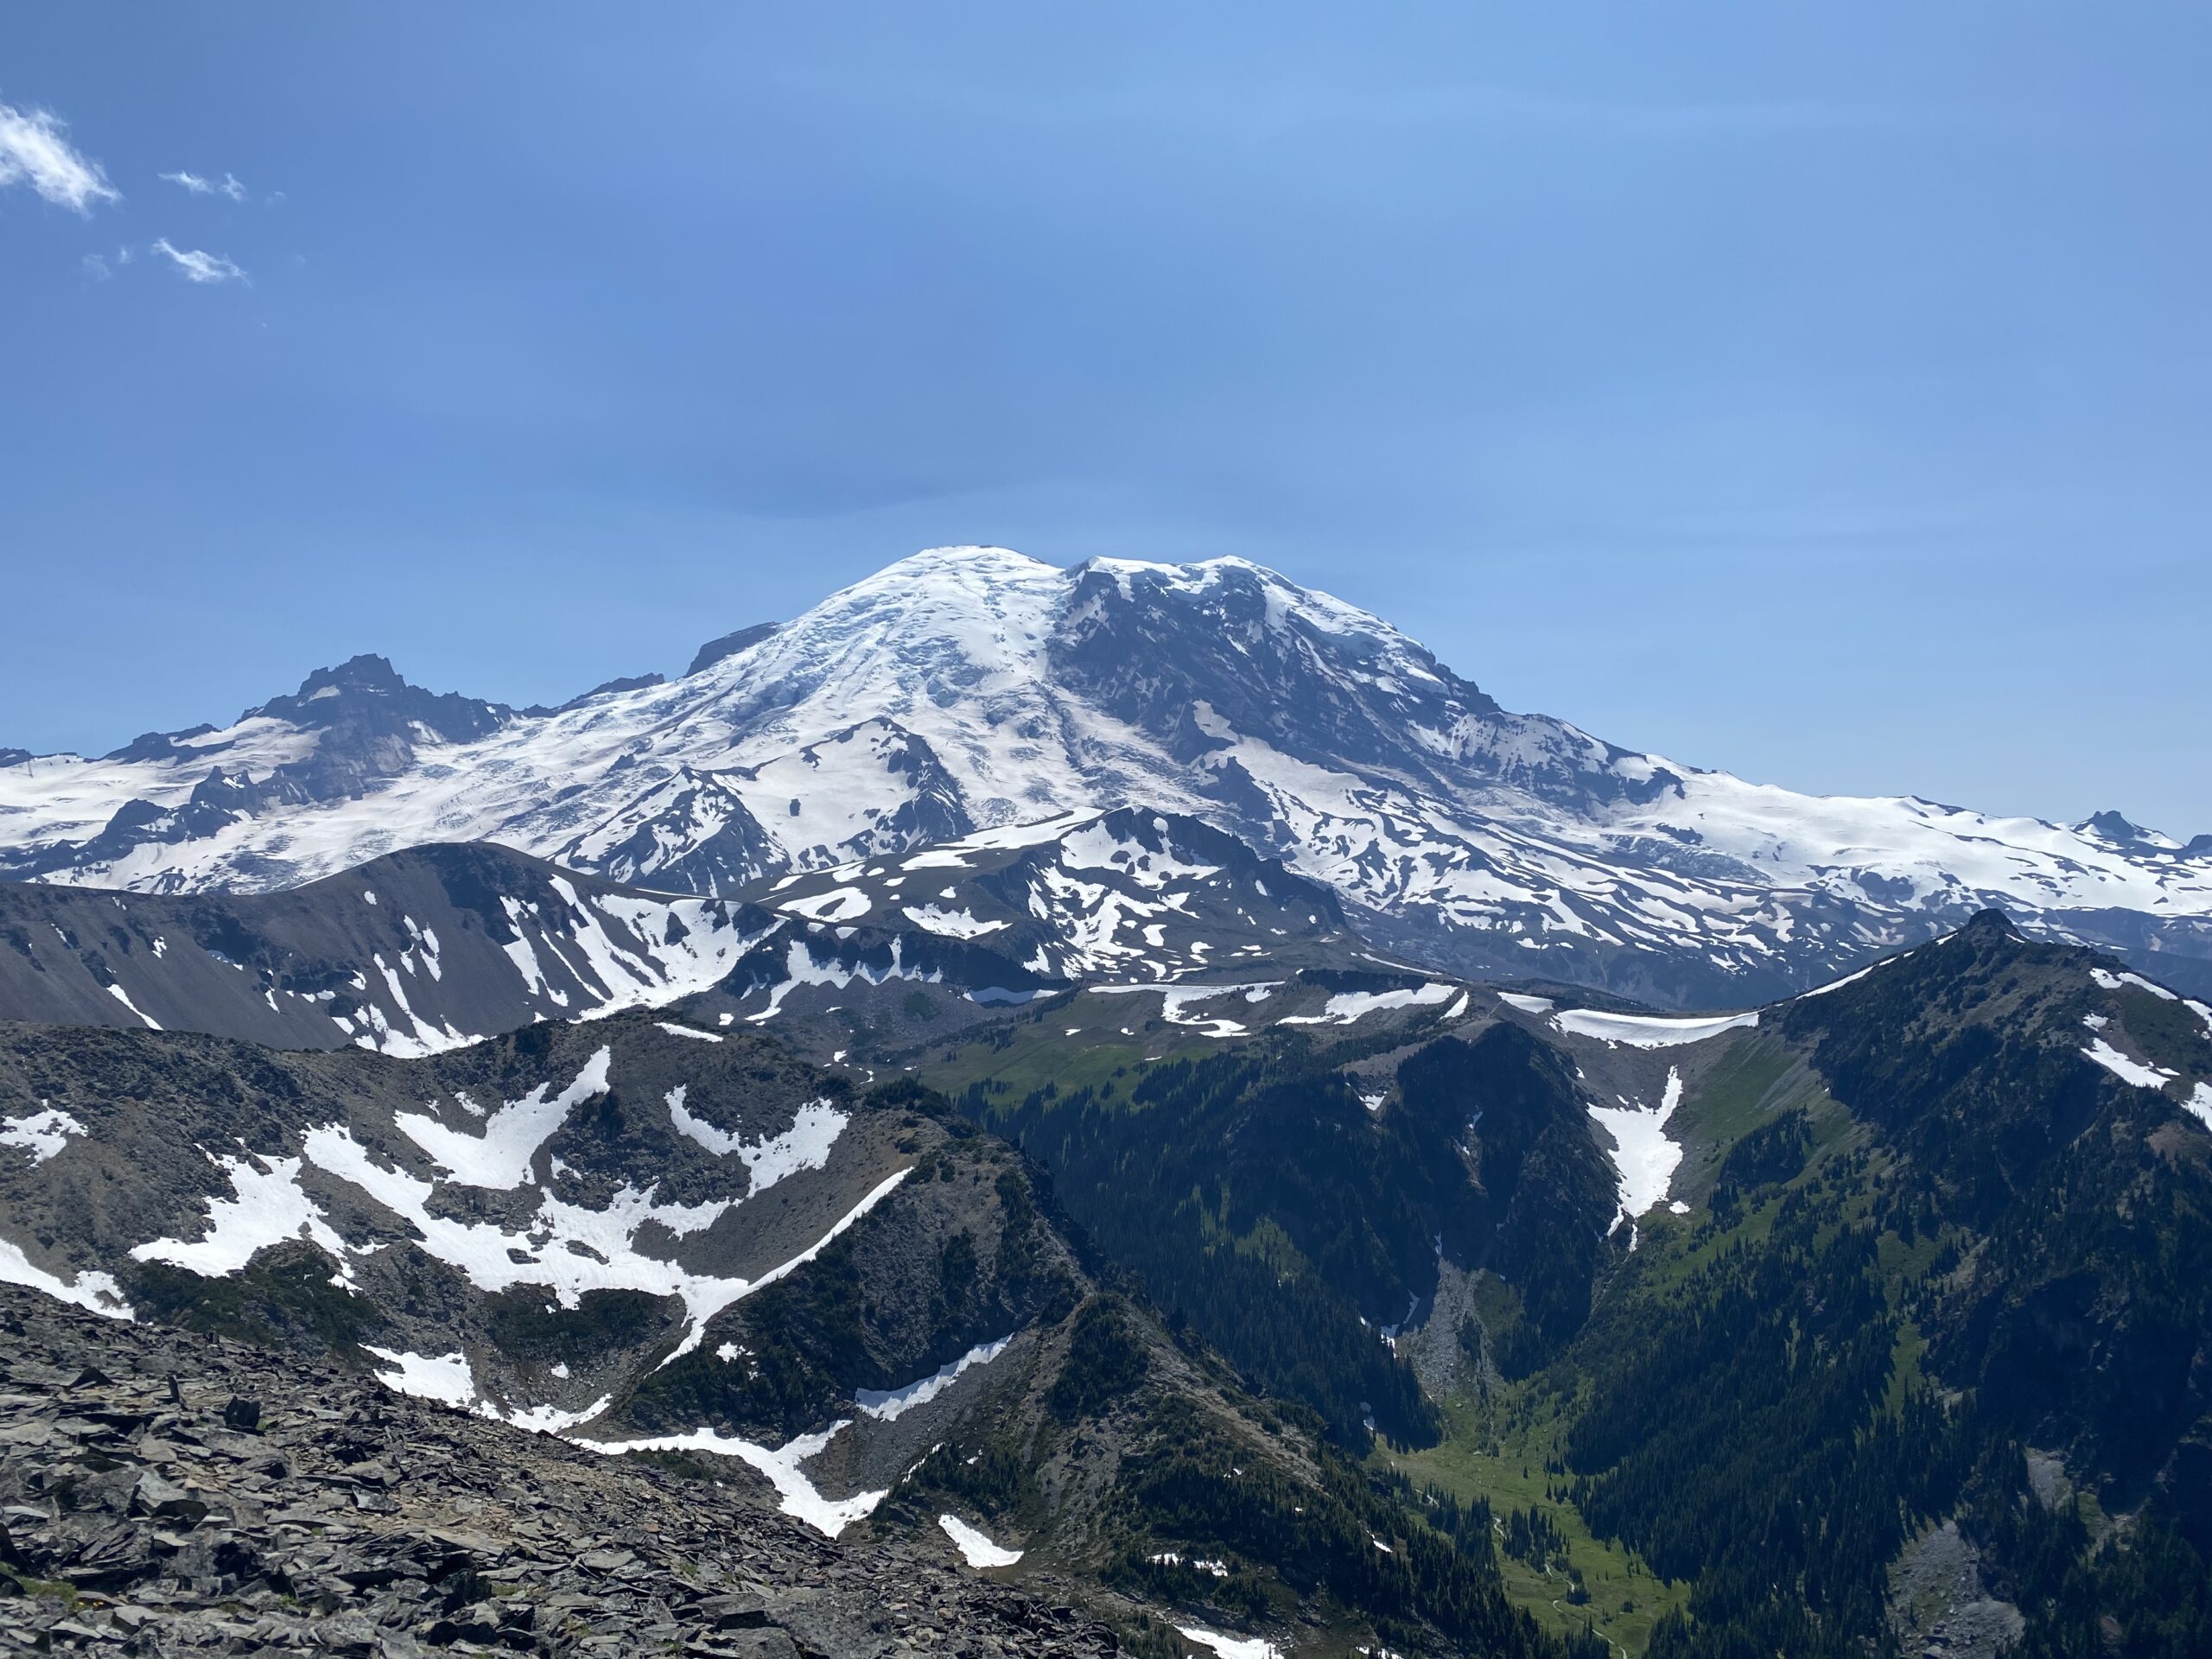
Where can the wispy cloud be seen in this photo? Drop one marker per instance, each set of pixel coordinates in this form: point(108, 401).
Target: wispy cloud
point(228, 185)
point(34, 152)
point(197, 266)
point(101, 266)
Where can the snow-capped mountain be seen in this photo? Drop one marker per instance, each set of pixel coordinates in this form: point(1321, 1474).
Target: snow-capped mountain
point(970, 689)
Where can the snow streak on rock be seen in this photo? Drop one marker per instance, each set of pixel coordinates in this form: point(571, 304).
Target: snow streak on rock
point(966, 690)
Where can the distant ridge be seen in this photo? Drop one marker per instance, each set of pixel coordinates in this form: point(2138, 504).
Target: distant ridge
point(967, 688)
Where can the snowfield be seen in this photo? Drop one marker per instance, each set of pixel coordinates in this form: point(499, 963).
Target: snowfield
point(1647, 1031)
point(1643, 1157)
point(2126, 1067)
point(975, 693)
point(888, 1405)
point(977, 1549)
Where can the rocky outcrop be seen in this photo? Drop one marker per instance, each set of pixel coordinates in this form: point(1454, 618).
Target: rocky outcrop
point(166, 1493)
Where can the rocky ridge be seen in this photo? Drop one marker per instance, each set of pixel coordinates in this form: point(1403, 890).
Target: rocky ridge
point(414, 953)
point(422, 950)
point(972, 688)
point(169, 1493)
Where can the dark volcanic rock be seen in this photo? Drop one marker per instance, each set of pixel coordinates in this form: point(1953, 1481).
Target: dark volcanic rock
point(728, 646)
point(140, 1520)
point(415, 952)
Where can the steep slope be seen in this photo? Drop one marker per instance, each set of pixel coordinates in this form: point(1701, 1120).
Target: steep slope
point(1937, 1321)
point(1857, 1318)
point(655, 1240)
point(419, 952)
point(912, 947)
point(170, 1492)
point(412, 953)
point(1304, 1186)
point(2061, 1113)
point(1916, 1350)
point(974, 688)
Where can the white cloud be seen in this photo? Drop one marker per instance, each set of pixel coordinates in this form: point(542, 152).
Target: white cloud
point(34, 152)
point(227, 186)
point(101, 266)
point(200, 267)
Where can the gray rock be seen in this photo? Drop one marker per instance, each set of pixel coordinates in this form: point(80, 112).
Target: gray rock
point(493, 1540)
point(1940, 1606)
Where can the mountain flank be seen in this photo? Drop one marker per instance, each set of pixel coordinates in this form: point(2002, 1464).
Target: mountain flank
point(969, 690)
point(168, 1493)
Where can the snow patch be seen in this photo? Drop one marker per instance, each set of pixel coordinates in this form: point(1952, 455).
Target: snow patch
point(974, 1548)
point(1231, 1647)
point(96, 1291)
point(565, 1247)
point(837, 905)
point(1176, 1001)
point(499, 1157)
point(952, 923)
point(2199, 1103)
point(1838, 984)
point(1650, 1030)
point(801, 968)
point(123, 997)
point(42, 1134)
point(266, 1207)
point(887, 1405)
point(2112, 981)
point(1645, 1160)
point(546, 1420)
point(1343, 1009)
point(446, 1379)
point(2126, 1068)
point(799, 1496)
point(814, 1129)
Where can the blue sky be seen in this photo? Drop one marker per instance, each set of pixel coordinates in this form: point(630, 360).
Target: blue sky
point(1820, 391)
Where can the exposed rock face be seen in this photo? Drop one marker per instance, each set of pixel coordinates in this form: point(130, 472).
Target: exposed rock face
point(1940, 1606)
point(728, 646)
point(618, 1195)
point(565, 1229)
point(415, 953)
point(970, 688)
point(423, 951)
point(168, 1493)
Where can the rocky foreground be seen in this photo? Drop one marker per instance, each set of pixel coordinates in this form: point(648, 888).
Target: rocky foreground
point(165, 1492)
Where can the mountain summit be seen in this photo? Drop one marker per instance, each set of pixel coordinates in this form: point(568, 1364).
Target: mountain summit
point(964, 689)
